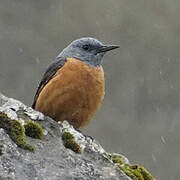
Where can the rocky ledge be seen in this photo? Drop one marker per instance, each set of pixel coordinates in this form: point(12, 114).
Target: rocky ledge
point(34, 147)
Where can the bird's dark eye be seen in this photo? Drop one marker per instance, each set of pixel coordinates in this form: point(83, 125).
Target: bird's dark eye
point(86, 47)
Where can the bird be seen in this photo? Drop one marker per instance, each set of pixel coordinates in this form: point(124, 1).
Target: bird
point(73, 86)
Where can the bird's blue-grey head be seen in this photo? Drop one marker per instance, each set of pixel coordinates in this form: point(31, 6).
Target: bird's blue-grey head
point(88, 50)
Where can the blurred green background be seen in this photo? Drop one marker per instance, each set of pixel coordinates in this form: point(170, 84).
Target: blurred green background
point(140, 115)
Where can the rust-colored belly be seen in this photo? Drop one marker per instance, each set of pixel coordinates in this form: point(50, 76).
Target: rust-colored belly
point(73, 94)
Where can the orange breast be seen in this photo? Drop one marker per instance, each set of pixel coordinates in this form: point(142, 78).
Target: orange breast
point(73, 94)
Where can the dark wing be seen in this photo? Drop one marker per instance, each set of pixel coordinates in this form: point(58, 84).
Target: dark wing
point(50, 72)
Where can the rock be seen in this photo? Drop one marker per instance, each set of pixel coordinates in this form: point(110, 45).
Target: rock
point(62, 152)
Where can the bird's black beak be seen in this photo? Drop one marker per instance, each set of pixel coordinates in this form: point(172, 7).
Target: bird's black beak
point(106, 48)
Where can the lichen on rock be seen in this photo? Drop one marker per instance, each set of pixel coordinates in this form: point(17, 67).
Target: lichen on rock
point(51, 160)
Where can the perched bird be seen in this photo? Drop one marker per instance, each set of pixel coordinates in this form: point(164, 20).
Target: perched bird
point(72, 87)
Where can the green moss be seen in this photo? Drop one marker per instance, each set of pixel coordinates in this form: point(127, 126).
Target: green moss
point(69, 142)
point(15, 130)
point(117, 159)
point(67, 136)
point(131, 172)
point(33, 129)
point(135, 172)
point(145, 173)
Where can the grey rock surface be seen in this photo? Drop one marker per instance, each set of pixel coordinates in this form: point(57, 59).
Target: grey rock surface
point(51, 160)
